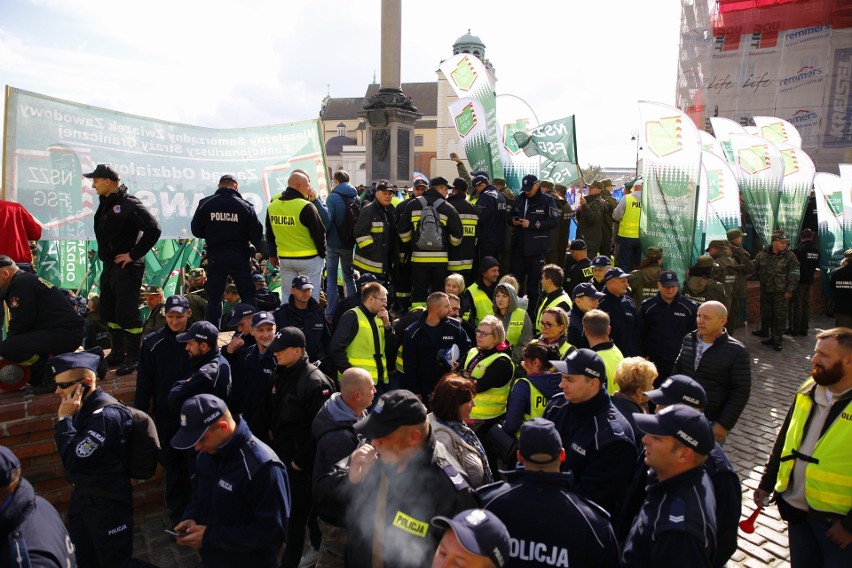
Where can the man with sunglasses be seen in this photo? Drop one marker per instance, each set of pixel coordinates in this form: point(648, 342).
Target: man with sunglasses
point(92, 433)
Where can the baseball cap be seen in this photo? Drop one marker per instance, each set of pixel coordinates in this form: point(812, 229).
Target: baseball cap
point(668, 278)
point(718, 243)
point(228, 177)
point(103, 171)
point(420, 181)
point(302, 282)
point(287, 337)
point(778, 236)
point(365, 279)
point(735, 234)
point(582, 362)
point(528, 182)
point(614, 273)
point(439, 181)
point(196, 416)
point(601, 261)
point(679, 389)
point(477, 180)
point(393, 409)
point(78, 360)
point(261, 318)
point(480, 532)
point(151, 289)
point(539, 438)
point(705, 261)
point(596, 184)
point(177, 304)
point(8, 463)
point(239, 312)
point(587, 290)
point(578, 244)
point(258, 277)
point(200, 331)
point(683, 423)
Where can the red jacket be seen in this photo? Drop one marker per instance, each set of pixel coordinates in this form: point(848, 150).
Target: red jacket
point(18, 227)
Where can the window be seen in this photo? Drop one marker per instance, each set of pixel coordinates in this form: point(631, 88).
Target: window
point(418, 140)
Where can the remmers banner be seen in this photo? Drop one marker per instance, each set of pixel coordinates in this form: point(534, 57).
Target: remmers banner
point(170, 167)
point(671, 169)
point(468, 77)
point(760, 173)
point(799, 173)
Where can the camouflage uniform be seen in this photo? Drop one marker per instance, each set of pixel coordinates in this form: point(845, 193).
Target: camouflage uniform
point(559, 236)
point(608, 222)
point(726, 274)
point(745, 268)
point(779, 275)
point(703, 288)
point(643, 281)
point(590, 220)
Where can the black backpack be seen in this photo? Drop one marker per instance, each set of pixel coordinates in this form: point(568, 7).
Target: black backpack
point(346, 230)
point(143, 446)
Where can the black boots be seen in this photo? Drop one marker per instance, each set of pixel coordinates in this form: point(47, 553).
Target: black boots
point(116, 352)
point(132, 342)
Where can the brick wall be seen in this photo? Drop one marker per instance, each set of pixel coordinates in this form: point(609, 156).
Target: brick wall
point(26, 426)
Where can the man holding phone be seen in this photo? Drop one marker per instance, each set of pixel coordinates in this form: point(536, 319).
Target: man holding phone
point(92, 433)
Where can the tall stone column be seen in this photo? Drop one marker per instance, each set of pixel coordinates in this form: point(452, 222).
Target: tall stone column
point(390, 114)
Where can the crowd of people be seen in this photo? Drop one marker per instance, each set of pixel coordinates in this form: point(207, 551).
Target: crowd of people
point(446, 380)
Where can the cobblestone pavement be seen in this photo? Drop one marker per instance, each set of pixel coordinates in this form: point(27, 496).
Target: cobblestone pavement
point(775, 378)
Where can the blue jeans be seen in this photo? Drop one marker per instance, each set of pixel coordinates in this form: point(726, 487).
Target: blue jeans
point(629, 253)
point(809, 547)
point(343, 256)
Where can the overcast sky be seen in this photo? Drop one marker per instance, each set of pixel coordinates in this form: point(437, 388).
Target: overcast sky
point(229, 64)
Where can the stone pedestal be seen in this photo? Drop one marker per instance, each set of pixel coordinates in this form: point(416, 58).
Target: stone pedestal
point(390, 120)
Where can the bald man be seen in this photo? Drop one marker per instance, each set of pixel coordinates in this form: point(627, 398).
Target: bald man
point(720, 364)
point(295, 234)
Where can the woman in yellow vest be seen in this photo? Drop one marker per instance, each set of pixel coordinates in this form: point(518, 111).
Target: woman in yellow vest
point(530, 394)
point(492, 369)
point(515, 320)
point(554, 330)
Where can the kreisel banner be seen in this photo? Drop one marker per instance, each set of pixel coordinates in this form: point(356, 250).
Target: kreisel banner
point(671, 168)
point(468, 77)
point(760, 173)
point(170, 167)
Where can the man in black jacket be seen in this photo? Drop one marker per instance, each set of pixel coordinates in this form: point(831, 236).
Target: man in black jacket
point(298, 393)
point(42, 322)
point(533, 216)
point(800, 304)
point(720, 364)
point(230, 225)
point(622, 312)
point(304, 312)
point(33, 533)
point(334, 430)
point(463, 257)
point(125, 231)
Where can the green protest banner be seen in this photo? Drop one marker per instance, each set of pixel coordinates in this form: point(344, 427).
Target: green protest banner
point(799, 171)
point(469, 120)
point(671, 170)
point(170, 167)
point(846, 192)
point(718, 202)
point(830, 221)
point(760, 173)
point(513, 116)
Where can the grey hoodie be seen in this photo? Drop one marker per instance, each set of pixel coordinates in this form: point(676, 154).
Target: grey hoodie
point(527, 333)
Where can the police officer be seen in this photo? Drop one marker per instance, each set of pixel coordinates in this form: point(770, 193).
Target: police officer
point(304, 312)
point(598, 440)
point(239, 509)
point(41, 322)
point(663, 321)
point(491, 213)
point(252, 376)
point(779, 277)
point(211, 372)
point(425, 343)
point(229, 224)
point(474, 538)
point(125, 231)
point(266, 300)
point(627, 214)
point(32, 531)
point(622, 312)
point(800, 305)
point(600, 265)
point(677, 522)
point(295, 233)
point(462, 257)
point(533, 216)
point(578, 267)
point(239, 318)
point(549, 523)
point(586, 298)
point(91, 434)
point(162, 362)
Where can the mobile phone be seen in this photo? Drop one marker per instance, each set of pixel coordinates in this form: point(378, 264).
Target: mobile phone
point(516, 218)
point(173, 533)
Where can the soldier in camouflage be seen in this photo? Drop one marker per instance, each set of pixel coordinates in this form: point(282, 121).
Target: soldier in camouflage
point(726, 275)
point(746, 269)
point(643, 280)
point(779, 277)
point(701, 286)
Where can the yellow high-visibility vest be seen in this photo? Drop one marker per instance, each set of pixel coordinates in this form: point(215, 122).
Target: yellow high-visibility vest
point(492, 402)
point(362, 350)
point(292, 239)
point(628, 227)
